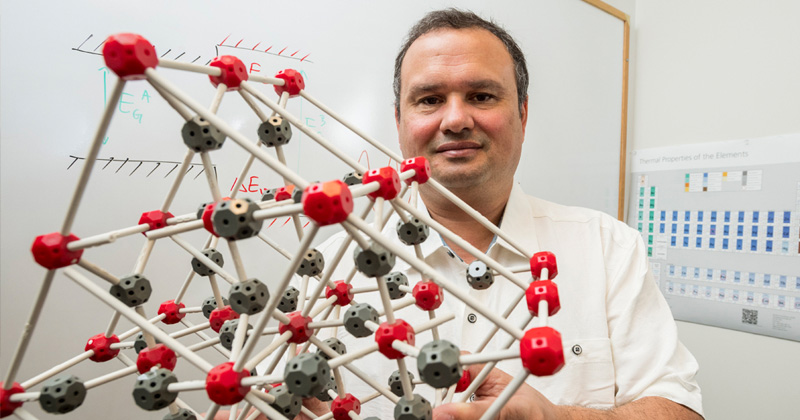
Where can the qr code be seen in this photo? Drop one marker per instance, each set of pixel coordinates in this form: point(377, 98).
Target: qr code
point(750, 316)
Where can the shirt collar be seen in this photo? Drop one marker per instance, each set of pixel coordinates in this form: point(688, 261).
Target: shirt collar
point(517, 223)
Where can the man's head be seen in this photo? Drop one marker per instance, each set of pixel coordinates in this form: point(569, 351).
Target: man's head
point(461, 101)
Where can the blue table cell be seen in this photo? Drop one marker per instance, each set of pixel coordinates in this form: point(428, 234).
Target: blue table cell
point(741, 217)
point(769, 246)
point(751, 279)
point(726, 230)
point(725, 243)
point(700, 216)
point(770, 231)
point(662, 228)
point(754, 231)
point(767, 280)
point(674, 228)
point(740, 230)
point(675, 216)
point(698, 243)
point(663, 215)
point(738, 244)
point(787, 217)
point(712, 230)
point(786, 232)
point(699, 229)
point(755, 217)
point(673, 241)
point(754, 245)
point(711, 243)
point(771, 217)
point(687, 215)
point(727, 217)
point(685, 242)
point(713, 216)
point(685, 229)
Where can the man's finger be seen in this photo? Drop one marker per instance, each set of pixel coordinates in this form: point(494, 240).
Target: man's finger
point(461, 411)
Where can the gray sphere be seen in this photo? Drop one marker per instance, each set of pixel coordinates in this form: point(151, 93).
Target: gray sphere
point(355, 318)
point(233, 219)
point(438, 364)
point(286, 403)
point(140, 344)
point(200, 136)
point(210, 304)
point(150, 391)
point(182, 414)
point(374, 261)
point(306, 374)
point(132, 290)
point(396, 385)
point(227, 332)
point(479, 276)
point(323, 395)
point(268, 195)
point(335, 344)
point(393, 282)
point(412, 232)
point(289, 300)
point(213, 255)
point(62, 394)
point(275, 132)
point(248, 297)
point(202, 209)
point(417, 409)
point(312, 264)
point(353, 178)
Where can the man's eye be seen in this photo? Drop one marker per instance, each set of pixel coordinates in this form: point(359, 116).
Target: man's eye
point(430, 100)
point(482, 97)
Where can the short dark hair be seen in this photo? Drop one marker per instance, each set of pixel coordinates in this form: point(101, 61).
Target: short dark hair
point(460, 19)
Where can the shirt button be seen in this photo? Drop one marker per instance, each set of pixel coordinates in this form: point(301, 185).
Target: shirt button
point(577, 349)
point(472, 318)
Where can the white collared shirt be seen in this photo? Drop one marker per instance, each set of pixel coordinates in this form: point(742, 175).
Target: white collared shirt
point(620, 340)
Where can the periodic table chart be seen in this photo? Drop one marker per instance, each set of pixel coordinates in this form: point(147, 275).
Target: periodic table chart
point(721, 222)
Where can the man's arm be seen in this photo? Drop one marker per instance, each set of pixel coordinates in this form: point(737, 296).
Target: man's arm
point(529, 404)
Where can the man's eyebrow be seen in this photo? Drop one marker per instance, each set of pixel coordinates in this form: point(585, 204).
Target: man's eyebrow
point(482, 84)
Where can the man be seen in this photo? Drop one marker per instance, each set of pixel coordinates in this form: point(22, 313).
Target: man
point(461, 102)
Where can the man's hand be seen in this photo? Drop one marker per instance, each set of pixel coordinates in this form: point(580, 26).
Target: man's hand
point(526, 404)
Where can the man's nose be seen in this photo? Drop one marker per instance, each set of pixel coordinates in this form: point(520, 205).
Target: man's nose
point(456, 116)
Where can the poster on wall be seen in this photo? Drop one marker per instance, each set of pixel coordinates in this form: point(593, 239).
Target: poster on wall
point(721, 222)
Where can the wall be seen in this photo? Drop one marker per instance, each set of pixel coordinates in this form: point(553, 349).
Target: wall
point(720, 70)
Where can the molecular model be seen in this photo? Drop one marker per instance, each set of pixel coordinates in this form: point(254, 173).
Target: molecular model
point(241, 320)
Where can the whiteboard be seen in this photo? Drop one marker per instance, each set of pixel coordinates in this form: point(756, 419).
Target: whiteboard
point(54, 88)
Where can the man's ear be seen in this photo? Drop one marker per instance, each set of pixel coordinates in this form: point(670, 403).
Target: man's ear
point(523, 115)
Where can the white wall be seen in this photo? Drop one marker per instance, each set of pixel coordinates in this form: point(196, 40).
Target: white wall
point(719, 70)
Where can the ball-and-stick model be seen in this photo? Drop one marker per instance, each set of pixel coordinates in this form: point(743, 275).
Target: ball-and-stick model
point(313, 367)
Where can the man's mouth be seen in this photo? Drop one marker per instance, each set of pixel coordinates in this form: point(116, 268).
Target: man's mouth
point(458, 147)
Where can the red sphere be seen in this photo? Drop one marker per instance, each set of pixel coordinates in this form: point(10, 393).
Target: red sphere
point(51, 252)
point(328, 202)
point(7, 407)
point(387, 333)
point(341, 407)
point(158, 355)
point(542, 290)
point(172, 312)
point(284, 193)
point(129, 55)
point(224, 385)
point(428, 294)
point(220, 315)
point(343, 292)
point(101, 345)
point(208, 223)
point(542, 260)
point(294, 82)
point(388, 180)
point(421, 167)
point(541, 351)
point(464, 382)
point(233, 72)
point(156, 219)
point(298, 326)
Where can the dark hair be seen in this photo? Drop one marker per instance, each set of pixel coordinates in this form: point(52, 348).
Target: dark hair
point(459, 19)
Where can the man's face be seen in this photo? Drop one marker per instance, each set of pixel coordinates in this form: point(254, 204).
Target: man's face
point(459, 108)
